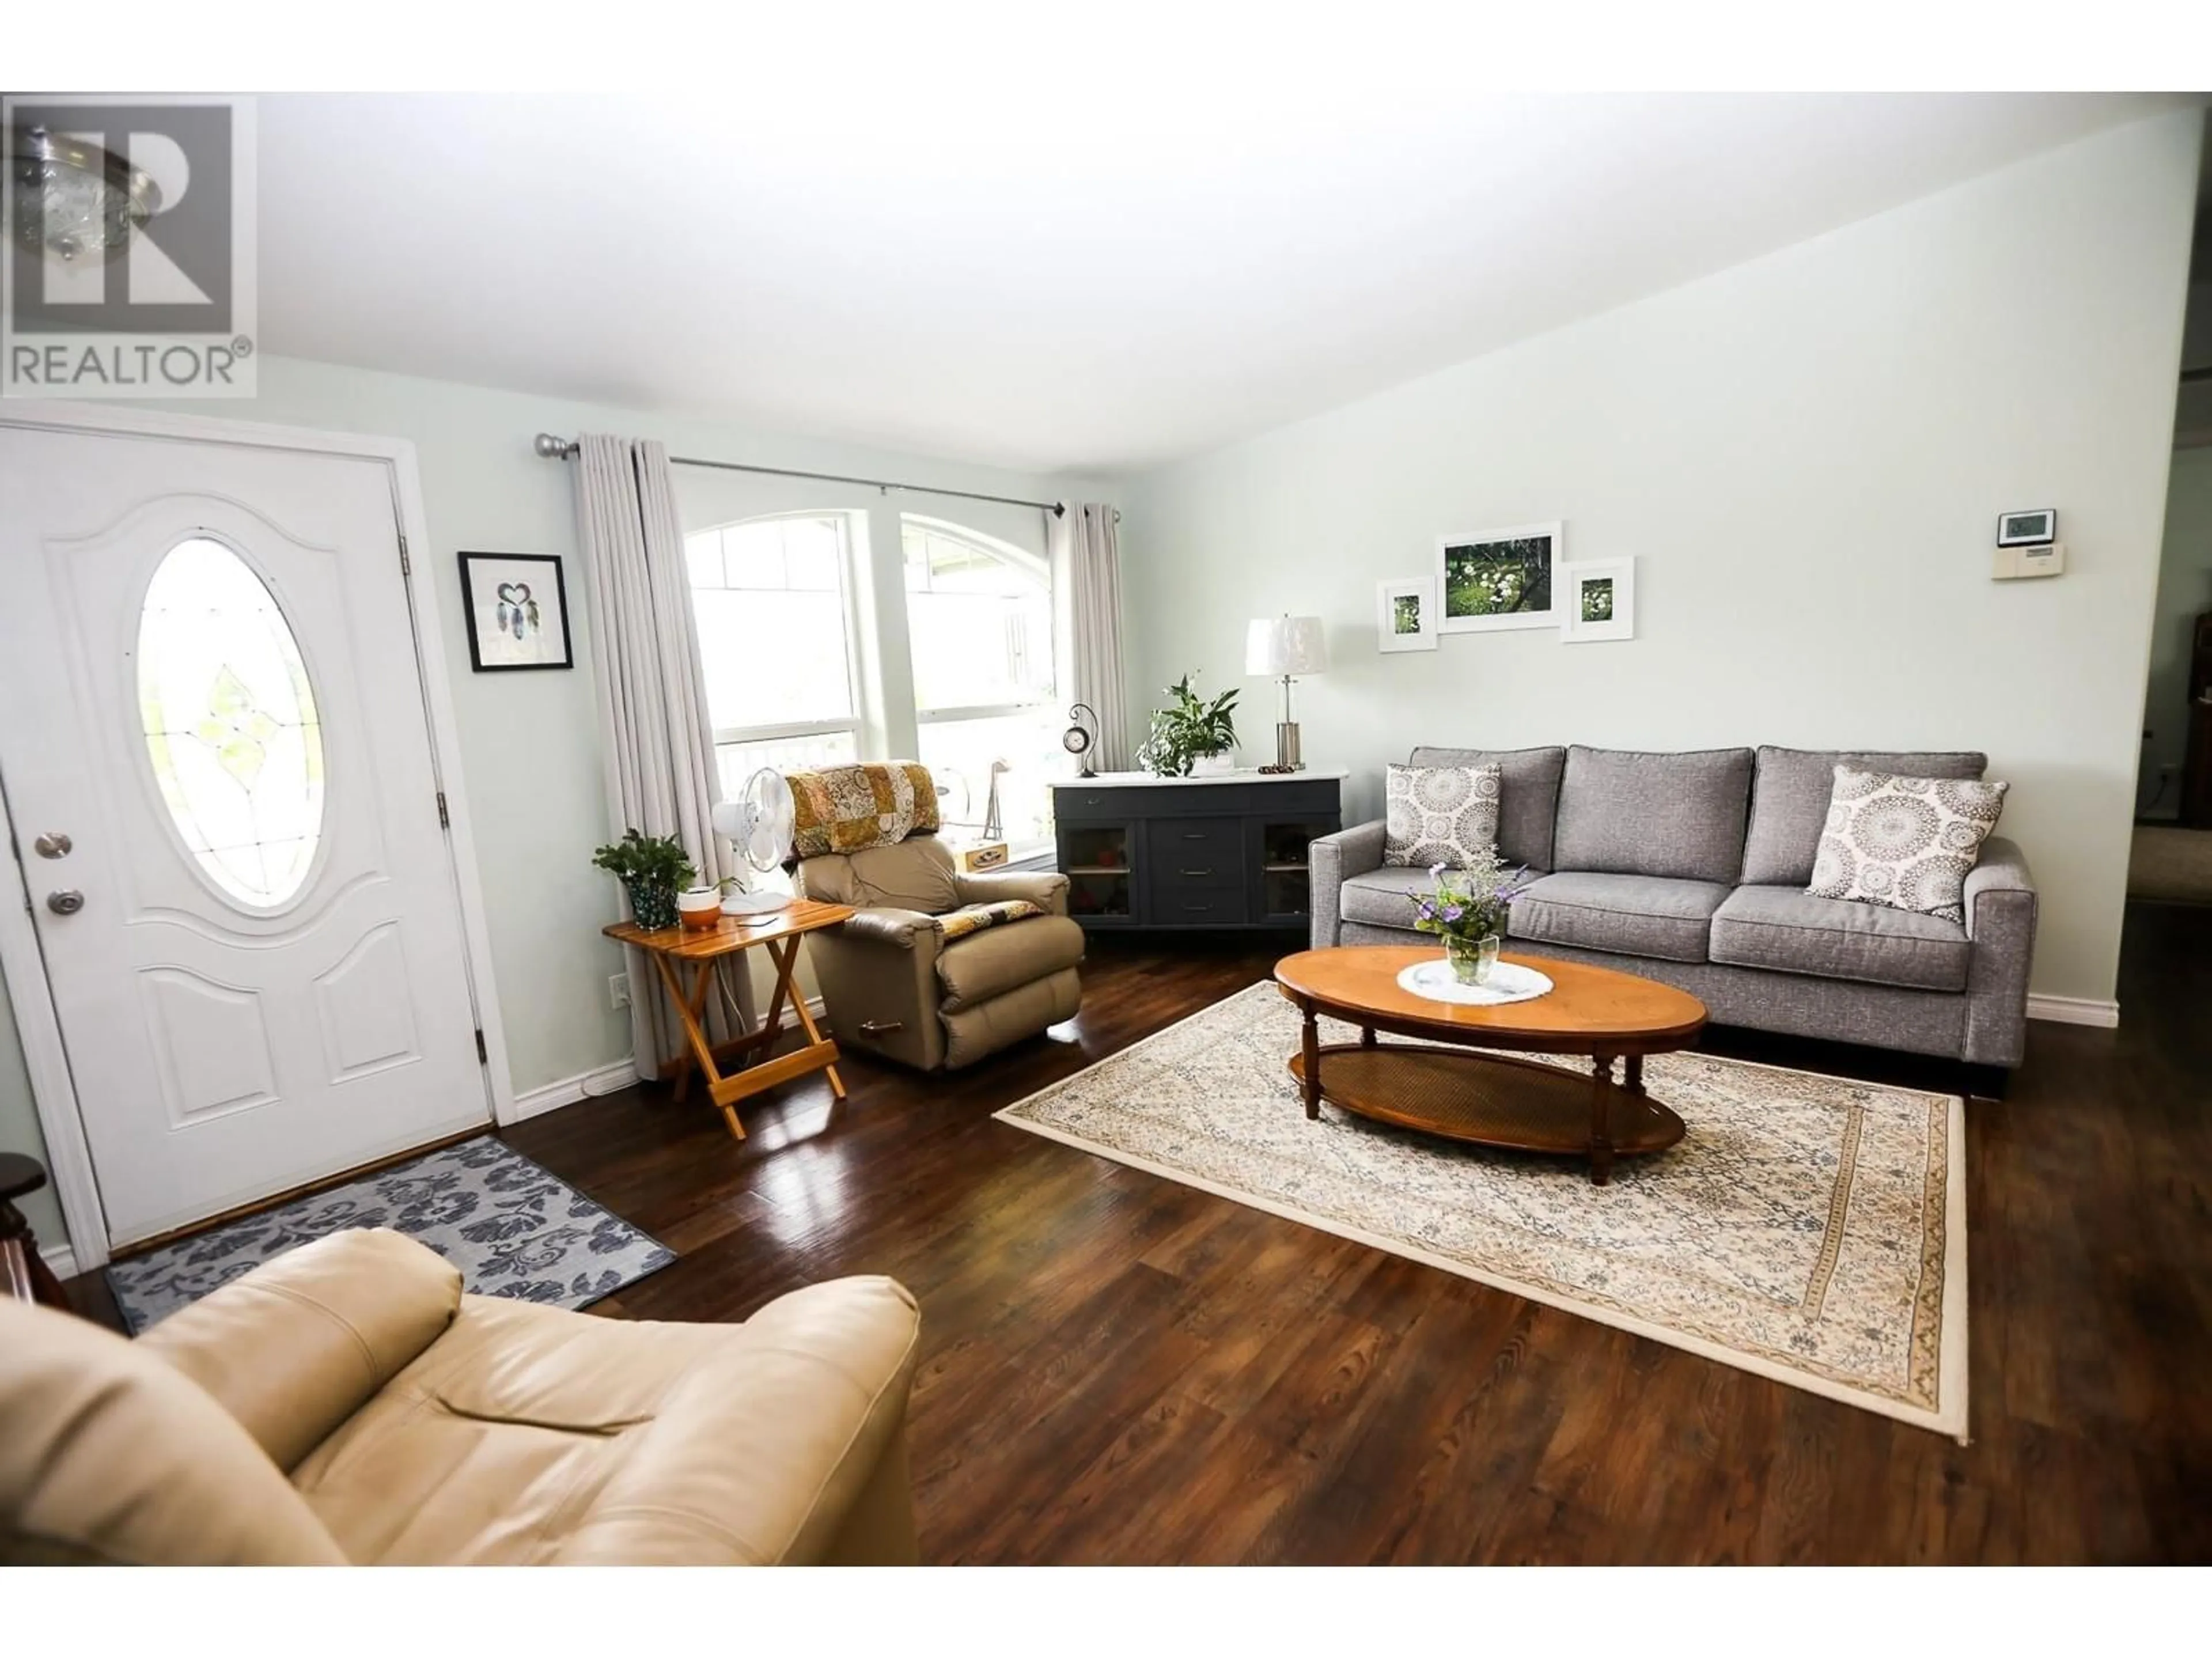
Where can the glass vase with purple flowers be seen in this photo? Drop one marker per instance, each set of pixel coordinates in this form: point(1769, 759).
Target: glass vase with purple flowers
point(1467, 911)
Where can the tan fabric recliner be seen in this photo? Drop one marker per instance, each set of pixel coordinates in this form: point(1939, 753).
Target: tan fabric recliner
point(895, 987)
point(346, 1402)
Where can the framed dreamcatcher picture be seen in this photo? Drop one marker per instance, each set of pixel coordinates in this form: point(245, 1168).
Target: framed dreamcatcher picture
point(517, 609)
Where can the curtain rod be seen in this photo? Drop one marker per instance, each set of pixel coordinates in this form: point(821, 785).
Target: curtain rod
point(562, 449)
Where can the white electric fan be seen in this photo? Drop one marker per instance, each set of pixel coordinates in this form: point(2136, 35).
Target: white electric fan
point(758, 825)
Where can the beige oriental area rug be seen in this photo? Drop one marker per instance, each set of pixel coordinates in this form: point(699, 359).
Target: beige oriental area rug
point(1808, 1229)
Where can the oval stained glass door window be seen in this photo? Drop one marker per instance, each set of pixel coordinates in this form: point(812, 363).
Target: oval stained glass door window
point(230, 723)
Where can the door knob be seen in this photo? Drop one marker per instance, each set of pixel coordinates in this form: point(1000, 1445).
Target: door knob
point(66, 902)
point(52, 845)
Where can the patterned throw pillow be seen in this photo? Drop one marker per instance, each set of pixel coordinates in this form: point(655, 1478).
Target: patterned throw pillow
point(976, 917)
point(844, 809)
point(1904, 842)
point(1439, 814)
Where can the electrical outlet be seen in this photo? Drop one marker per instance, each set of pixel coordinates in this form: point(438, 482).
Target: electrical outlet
point(618, 990)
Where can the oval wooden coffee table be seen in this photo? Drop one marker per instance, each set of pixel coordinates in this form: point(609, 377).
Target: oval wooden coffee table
point(1489, 1099)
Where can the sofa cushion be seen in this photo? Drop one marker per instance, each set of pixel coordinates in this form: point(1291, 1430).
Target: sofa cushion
point(1790, 802)
point(528, 1434)
point(974, 1033)
point(1632, 812)
point(1527, 796)
point(1791, 932)
point(1907, 842)
point(1439, 814)
point(111, 1457)
point(303, 1342)
point(912, 875)
point(1384, 898)
point(1634, 915)
point(991, 963)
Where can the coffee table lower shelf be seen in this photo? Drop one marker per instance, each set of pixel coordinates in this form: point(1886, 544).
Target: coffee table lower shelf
point(1493, 1100)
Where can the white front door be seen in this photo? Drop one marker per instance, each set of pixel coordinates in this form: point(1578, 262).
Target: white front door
point(218, 769)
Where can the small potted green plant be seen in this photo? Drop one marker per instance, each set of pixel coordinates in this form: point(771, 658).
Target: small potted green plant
point(1189, 731)
point(652, 870)
point(1468, 913)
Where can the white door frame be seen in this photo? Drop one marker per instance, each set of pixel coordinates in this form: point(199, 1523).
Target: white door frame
point(22, 965)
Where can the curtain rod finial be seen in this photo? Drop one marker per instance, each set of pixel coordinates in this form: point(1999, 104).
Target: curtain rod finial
point(1059, 509)
point(553, 448)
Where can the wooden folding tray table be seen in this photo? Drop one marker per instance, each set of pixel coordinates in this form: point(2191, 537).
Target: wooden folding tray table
point(704, 950)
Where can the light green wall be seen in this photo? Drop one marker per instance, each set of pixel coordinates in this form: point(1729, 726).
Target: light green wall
point(1807, 454)
point(2184, 593)
point(530, 742)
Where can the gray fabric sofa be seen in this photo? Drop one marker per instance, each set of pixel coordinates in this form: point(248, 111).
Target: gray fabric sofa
point(1691, 868)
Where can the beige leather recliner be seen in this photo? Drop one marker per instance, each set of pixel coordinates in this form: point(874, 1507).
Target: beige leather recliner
point(894, 984)
point(345, 1402)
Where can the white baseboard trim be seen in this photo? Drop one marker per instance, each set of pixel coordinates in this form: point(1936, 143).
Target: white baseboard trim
point(569, 1090)
point(534, 1102)
point(61, 1258)
point(2074, 1011)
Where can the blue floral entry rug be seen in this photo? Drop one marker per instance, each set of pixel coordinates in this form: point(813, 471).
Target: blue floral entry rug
point(512, 1227)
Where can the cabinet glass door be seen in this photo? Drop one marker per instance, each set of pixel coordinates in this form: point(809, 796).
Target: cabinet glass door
point(1285, 879)
point(1095, 858)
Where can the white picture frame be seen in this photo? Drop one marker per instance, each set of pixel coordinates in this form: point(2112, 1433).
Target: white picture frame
point(1398, 603)
point(1598, 600)
point(1511, 569)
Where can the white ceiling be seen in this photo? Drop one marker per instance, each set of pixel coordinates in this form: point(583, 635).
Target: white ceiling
point(1088, 271)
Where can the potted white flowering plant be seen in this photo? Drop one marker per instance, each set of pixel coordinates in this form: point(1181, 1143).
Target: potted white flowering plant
point(1467, 911)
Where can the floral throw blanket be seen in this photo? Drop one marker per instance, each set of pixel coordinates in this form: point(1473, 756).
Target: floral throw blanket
point(843, 809)
point(974, 919)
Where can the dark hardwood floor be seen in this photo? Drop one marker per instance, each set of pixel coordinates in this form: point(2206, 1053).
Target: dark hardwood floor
point(1118, 1368)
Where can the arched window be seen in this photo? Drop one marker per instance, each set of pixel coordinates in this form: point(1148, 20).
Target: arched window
point(980, 626)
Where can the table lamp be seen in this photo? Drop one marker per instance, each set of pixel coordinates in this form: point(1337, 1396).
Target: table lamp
point(1287, 646)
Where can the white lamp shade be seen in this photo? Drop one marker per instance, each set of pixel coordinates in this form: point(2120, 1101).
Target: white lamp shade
point(1285, 644)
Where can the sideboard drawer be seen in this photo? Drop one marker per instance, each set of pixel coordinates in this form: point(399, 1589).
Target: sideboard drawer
point(1212, 846)
point(1080, 804)
point(1206, 907)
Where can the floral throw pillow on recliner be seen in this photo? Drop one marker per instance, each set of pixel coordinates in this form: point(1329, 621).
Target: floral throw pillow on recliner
point(1908, 843)
point(976, 917)
point(844, 809)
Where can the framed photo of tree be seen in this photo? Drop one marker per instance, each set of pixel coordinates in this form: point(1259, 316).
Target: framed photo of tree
point(1498, 579)
point(1406, 614)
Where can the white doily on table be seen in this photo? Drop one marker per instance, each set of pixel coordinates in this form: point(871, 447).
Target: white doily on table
point(1509, 982)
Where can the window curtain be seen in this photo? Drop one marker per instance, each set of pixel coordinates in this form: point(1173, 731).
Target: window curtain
point(654, 732)
point(1087, 546)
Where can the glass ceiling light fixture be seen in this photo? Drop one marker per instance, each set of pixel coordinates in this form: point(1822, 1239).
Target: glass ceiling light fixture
point(75, 200)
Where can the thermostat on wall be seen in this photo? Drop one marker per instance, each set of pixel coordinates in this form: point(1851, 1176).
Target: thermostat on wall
point(2028, 544)
point(2013, 562)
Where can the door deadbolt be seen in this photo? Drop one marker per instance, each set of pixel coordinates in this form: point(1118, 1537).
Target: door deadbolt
point(52, 845)
point(66, 902)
